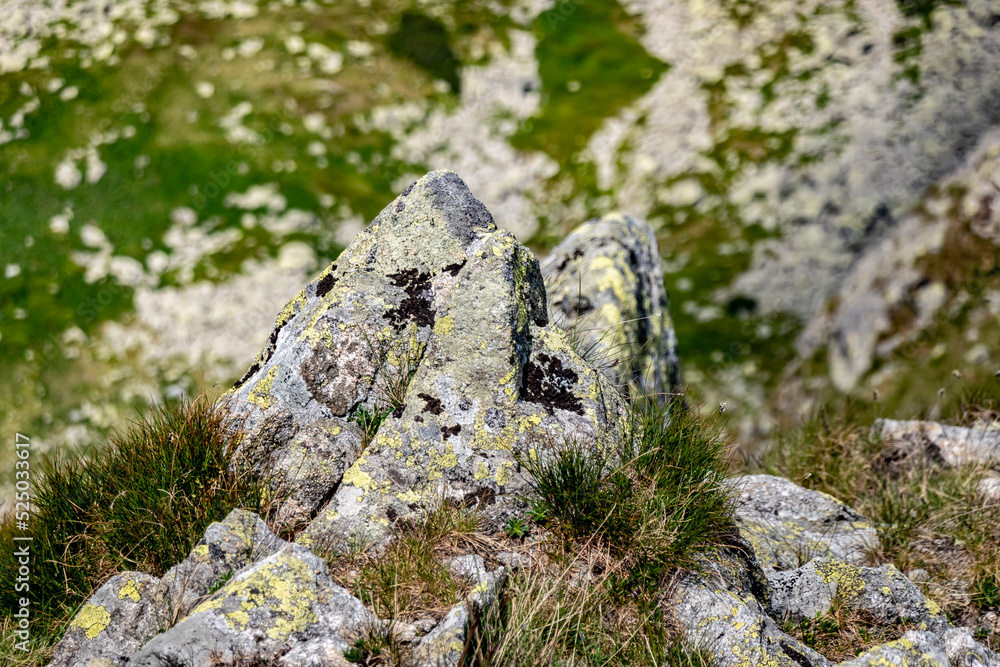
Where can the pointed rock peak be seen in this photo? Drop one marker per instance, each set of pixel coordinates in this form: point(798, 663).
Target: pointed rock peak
point(441, 197)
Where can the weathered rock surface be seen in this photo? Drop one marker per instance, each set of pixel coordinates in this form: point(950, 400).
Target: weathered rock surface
point(282, 601)
point(604, 284)
point(723, 612)
point(112, 624)
point(883, 592)
point(434, 300)
point(227, 547)
point(934, 442)
point(789, 525)
point(913, 648)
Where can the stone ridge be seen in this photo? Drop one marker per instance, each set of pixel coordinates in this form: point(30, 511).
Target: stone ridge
point(431, 288)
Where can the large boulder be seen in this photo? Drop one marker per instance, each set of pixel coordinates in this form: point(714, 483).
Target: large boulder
point(605, 286)
point(434, 320)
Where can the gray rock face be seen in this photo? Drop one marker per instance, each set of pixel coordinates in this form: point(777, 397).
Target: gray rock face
point(931, 441)
point(964, 651)
point(112, 624)
point(281, 602)
point(436, 302)
point(226, 548)
point(722, 613)
point(789, 525)
point(881, 591)
point(604, 284)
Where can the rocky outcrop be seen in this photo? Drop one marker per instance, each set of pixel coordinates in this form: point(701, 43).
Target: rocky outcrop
point(422, 365)
point(604, 285)
point(435, 321)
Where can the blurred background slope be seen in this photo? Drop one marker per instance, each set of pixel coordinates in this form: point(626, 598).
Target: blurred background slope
point(824, 177)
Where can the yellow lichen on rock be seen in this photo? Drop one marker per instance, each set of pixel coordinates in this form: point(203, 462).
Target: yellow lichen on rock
point(130, 591)
point(93, 620)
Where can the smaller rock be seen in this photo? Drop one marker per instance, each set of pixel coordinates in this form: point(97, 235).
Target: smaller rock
point(470, 566)
point(881, 591)
point(112, 624)
point(951, 445)
point(788, 525)
point(227, 547)
point(513, 561)
point(964, 651)
point(914, 648)
point(989, 489)
point(282, 603)
point(443, 646)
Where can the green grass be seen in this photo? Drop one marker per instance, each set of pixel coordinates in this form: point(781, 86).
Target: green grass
point(591, 65)
point(651, 502)
point(141, 503)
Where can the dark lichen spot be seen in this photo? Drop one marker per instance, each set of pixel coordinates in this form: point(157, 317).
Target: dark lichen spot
point(416, 305)
point(400, 206)
point(495, 419)
point(795, 655)
point(409, 189)
point(448, 431)
point(550, 385)
point(246, 376)
point(453, 269)
point(433, 404)
point(398, 412)
point(541, 321)
point(326, 283)
point(578, 253)
point(391, 514)
point(575, 306)
point(418, 418)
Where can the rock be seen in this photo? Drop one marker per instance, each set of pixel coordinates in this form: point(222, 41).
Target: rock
point(931, 441)
point(913, 648)
point(443, 646)
point(604, 284)
point(284, 602)
point(989, 489)
point(881, 591)
point(964, 651)
point(789, 525)
point(470, 566)
point(112, 624)
point(227, 547)
point(458, 329)
point(513, 561)
point(721, 612)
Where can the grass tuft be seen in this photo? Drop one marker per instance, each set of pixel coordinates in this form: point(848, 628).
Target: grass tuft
point(652, 501)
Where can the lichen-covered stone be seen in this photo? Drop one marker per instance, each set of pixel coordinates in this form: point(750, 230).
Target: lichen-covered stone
point(930, 441)
point(227, 547)
point(789, 525)
point(913, 648)
point(432, 287)
point(722, 611)
point(604, 284)
point(964, 651)
point(281, 602)
point(881, 591)
point(112, 624)
point(443, 646)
